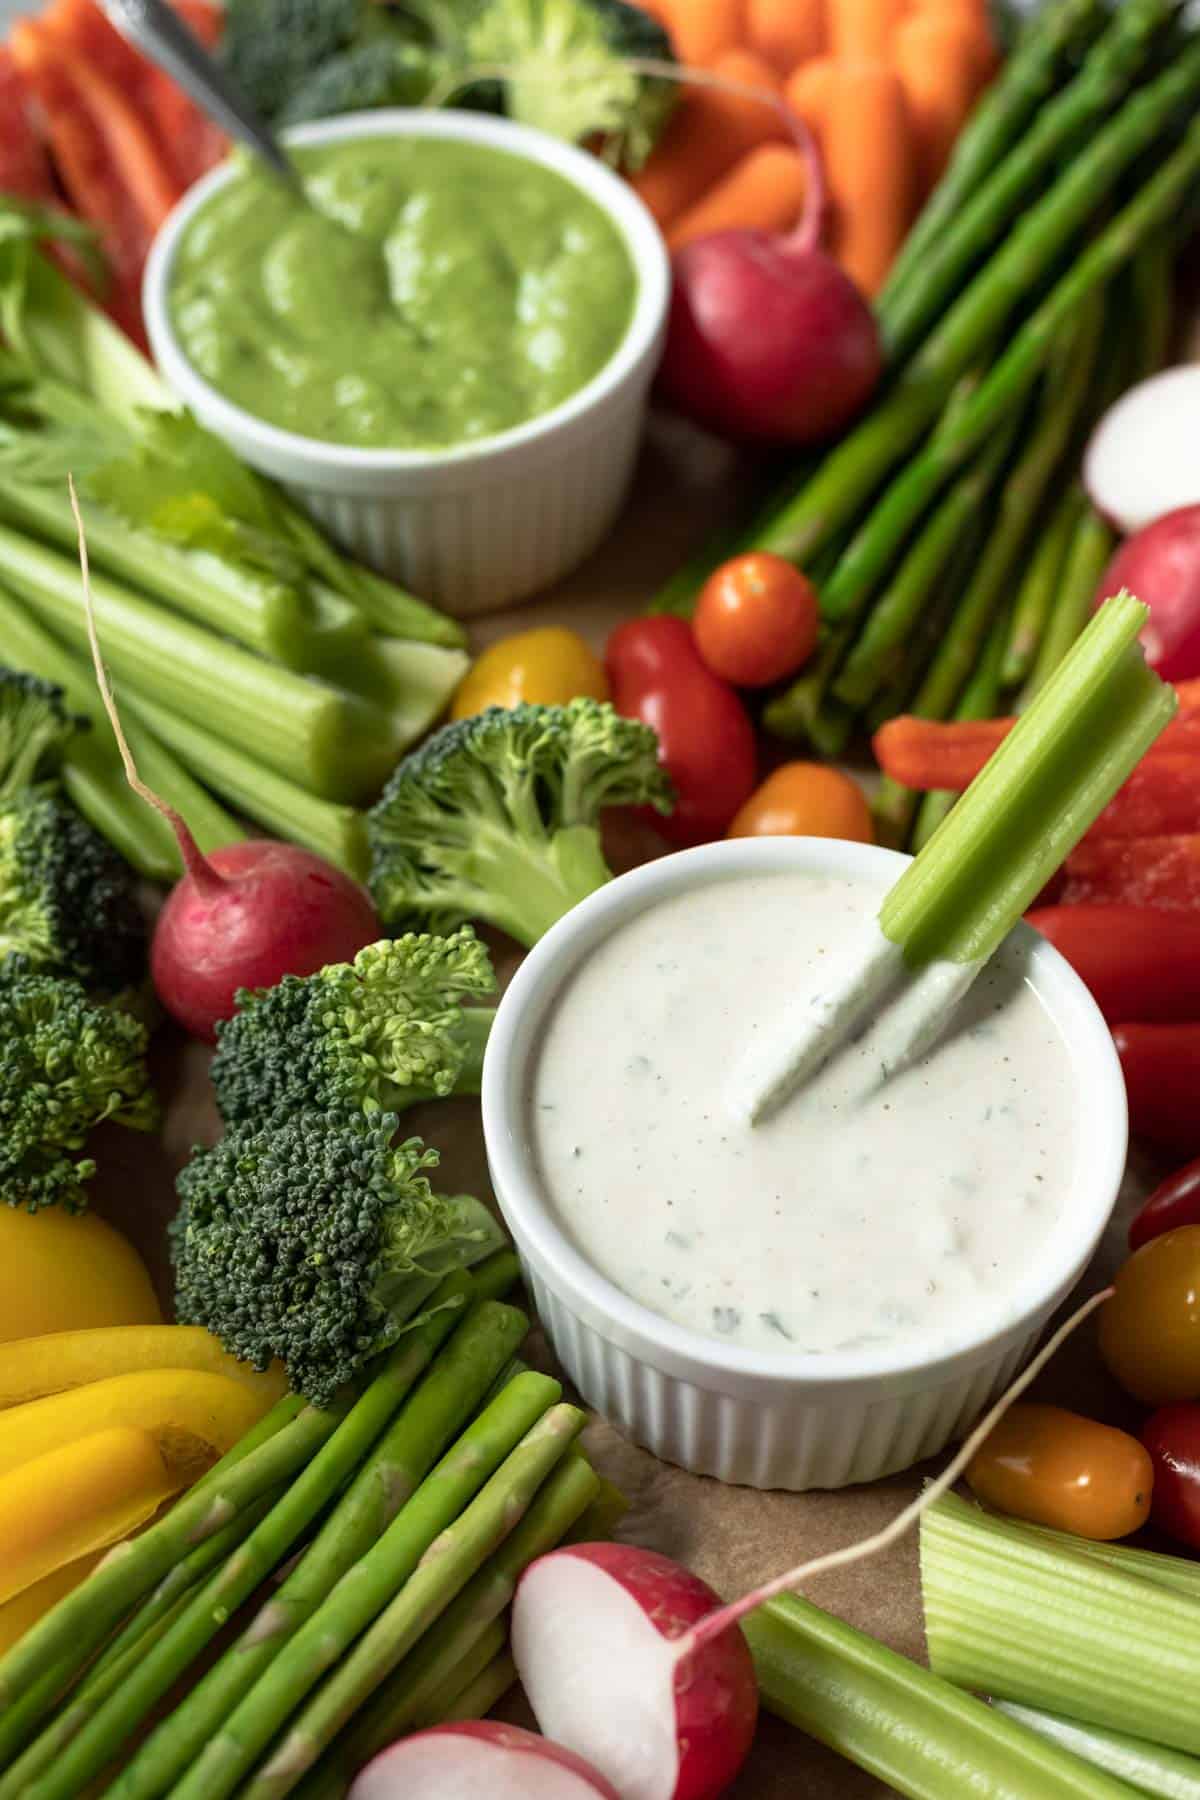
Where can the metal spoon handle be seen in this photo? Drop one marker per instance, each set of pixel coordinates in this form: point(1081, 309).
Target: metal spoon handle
point(156, 29)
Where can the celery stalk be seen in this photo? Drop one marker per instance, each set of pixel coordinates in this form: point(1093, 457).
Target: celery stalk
point(92, 771)
point(1178, 1573)
point(1009, 1613)
point(916, 1732)
point(1147, 1767)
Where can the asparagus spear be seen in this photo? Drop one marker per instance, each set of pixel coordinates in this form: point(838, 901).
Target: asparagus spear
point(1040, 585)
point(465, 1693)
point(477, 1699)
point(443, 1572)
point(853, 472)
point(1026, 81)
point(980, 700)
point(432, 1416)
point(1087, 556)
point(367, 1587)
point(906, 310)
point(876, 545)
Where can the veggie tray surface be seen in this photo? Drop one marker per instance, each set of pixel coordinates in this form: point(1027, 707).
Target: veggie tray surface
point(732, 1537)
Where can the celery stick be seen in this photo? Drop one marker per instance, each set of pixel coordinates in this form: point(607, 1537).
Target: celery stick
point(1010, 1614)
point(92, 771)
point(916, 1732)
point(1147, 1767)
point(1178, 1573)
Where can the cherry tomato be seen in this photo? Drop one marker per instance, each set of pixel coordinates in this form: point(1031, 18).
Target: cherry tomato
point(1161, 1066)
point(546, 667)
point(804, 799)
point(1172, 1436)
point(705, 734)
point(756, 620)
point(1174, 1202)
point(1056, 1468)
point(1150, 1329)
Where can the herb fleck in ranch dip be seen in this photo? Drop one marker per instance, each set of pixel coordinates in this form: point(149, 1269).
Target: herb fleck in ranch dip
point(840, 1222)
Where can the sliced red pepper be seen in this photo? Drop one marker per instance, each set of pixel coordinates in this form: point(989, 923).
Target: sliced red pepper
point(1160, 799)
point(1174, 1202)
point(24, 165)
point(1139, 962)
point(1140, 871)
point(1161, 1064)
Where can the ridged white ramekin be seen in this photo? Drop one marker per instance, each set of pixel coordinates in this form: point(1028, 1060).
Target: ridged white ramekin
point(476, 527)
point(795, 1420)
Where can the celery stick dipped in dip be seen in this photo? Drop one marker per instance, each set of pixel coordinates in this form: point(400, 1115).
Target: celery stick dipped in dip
point(432, 294)
point(864, 1211)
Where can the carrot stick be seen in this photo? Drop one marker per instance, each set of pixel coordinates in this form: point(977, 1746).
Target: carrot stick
point(808, 92)
point(936, 60)
point(709, 131)
point(926, 754)
point(702, 30)
point(867, 143)
point(862, 30)
point(973, 14)
point(762, 192)
point(786, 32)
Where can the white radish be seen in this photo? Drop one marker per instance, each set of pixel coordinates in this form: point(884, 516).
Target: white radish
point(628, 1658)
point(479, 1760)
point(1143, 459)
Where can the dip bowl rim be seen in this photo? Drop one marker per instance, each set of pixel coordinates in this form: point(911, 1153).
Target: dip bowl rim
point(293, 455)
point(678, 1351)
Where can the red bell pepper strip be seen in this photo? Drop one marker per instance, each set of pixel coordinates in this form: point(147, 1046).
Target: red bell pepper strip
point(1161, 1064)
point(1174, 1202)
point(1139, 962)
point(705, 736)
point(24, 165)
point(1172, 1436)
point(1160, 799)
point(1144, 871)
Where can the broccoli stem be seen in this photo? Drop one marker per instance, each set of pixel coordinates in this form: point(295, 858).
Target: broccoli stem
point(400, 1460)
point(531, 884)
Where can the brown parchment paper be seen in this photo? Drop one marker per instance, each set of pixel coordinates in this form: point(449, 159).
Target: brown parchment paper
point(731, 1536)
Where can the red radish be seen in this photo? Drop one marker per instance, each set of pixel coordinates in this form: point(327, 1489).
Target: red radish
point(1161, 565)
point(1141, 461)
point(593, 1616)
point(245, 916)
point(479, 1760)
point(768, 340)
point(629, 1659)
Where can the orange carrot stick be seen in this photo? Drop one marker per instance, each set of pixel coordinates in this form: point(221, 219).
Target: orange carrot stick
point(919, 753)
point(702, 30)
point(973, 14)
point(861, 30)
point(808, 92)
point(786, 32)
point(764, 191)
point(937, 60)
point(867, 143)
point(709, 131)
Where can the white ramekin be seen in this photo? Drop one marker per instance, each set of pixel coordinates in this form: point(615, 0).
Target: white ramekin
point(777, 1420)
point(476, 527)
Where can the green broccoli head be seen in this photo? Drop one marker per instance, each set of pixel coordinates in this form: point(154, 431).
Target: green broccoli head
point(496, 817)
point(316, 1240)
point(34, 727)
point(271, 46)
point(382, 72)
point(68, 902)
point(66, 1063)
point(363, 1037)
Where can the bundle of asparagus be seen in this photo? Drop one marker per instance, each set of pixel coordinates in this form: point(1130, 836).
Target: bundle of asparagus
point(368, 1552)
point(955, 554)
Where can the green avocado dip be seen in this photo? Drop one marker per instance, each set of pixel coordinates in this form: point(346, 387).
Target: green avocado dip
point(434, 293)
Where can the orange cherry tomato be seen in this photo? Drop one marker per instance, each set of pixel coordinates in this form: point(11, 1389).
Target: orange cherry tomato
point(756, 620)
point(1150, 1329)
point(1056, 1468)
point(805, 799)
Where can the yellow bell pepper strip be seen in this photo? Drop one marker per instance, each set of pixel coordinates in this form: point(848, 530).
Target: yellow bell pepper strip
point(27, 1607)
point(68, 1272)
point(193, 1416)
point(31, 1368)
point(546, 667)
point(87, 1495)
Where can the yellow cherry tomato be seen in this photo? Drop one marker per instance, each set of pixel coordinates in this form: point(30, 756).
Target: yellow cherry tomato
point(1056, 1468)
point(64, 1272)
point(546, 667)
point(1150, 1329)
point(805, 799)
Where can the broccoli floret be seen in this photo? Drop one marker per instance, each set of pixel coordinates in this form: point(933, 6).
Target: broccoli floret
point(384, 72)
point(66, 1063)
point(316, 1240)
point(363, 1037)
point(270, 47)
point(68, 902)
point(495, 817)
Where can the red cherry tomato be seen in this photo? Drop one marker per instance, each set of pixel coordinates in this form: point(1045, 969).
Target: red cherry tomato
point(1174, 1202)
point(706, 738)
point(1172, 1436)
point(756, 620)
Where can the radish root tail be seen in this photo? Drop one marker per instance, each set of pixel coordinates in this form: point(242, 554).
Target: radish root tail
point(194, 860)
point(727, 1616)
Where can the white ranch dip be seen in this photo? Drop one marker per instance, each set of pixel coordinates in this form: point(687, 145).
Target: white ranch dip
point(841, 1221)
